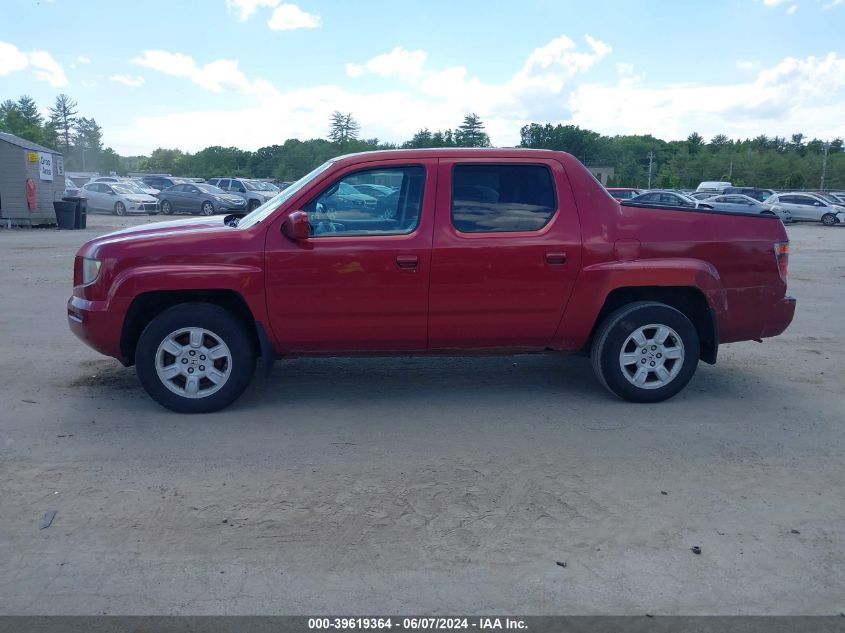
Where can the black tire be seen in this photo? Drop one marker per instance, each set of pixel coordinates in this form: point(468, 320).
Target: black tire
point(253, 205)
point(119, 209)
point(767, 213)
point(166, 207)
point(224, 327)
point(611, 338)
point(828, 219)
point(207, 208)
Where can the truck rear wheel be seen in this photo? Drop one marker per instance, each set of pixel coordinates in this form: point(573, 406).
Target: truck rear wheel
point(195, 358)
point(645, 352)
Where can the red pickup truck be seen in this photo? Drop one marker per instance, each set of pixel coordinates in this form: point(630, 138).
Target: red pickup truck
point(455, 251)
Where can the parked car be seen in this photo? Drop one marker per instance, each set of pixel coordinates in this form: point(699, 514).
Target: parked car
point(150, 191)
point(72, 190)
point(250, 190)
point(345, 202)
point(117, 198)
point(761, 195)
point(807, 207)
point(162, 182)
point(199, 198)
point(702, 195)
point(738, 203)
point(547, 262)
point(667, 198)
point(376, 191)
point(714, 186)
point(623, 193)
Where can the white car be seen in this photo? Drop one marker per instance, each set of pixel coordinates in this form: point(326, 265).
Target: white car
point(807, 207)
point(117, 198)
point(739, 203)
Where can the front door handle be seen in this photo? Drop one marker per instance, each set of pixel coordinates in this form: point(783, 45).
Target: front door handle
point(556, 258)
point(407, 261)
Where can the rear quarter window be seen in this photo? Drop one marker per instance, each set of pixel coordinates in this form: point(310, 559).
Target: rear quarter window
point(502, 198)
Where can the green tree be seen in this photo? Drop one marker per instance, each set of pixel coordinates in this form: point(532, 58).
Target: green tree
point(63, 120)
point(694, 143)
point(87, 144)
point(471, 133)
point(343, 127)
point(22, 119)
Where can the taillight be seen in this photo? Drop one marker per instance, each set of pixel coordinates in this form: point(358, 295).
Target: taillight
point(782, 257)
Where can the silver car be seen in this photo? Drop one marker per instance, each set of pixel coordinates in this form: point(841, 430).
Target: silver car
point(199, 198)
point(739, 203)
point(807, 207)
point(117, 198)
point(667, 198)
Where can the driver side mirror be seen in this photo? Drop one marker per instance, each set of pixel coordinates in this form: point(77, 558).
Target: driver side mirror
point(296, 226)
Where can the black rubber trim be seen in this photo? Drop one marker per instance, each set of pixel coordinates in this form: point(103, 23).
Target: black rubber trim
point(268, 356)
point(640, 205)
point(710, 349)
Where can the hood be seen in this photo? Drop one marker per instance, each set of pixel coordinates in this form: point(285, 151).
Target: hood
point(154, 230)
point(140, 197)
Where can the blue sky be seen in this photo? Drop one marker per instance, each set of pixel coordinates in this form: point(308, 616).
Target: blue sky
point(255, 72)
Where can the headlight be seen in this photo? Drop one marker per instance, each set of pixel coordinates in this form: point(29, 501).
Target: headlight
point(90, 270)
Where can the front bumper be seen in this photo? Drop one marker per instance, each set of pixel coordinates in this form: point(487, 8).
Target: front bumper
point(92, 323)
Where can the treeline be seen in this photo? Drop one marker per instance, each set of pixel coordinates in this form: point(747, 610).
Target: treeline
point(78, 138)
point(776, 162)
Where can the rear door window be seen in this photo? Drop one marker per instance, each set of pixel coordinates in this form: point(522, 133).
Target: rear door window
point(502, 198)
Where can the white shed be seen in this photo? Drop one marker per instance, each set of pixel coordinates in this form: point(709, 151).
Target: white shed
point(26, 166)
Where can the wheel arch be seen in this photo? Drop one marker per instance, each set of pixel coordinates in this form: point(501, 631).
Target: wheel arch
point(147, 305)
point(688, 300)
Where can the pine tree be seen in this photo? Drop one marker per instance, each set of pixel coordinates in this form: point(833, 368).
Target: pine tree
point(343, 127)
point(471, 133)
point(63, 119)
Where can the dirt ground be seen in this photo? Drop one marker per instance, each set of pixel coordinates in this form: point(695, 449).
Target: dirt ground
point(421, 486)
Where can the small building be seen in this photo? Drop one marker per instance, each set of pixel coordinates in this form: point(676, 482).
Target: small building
point(602, 173)
point(32, 177)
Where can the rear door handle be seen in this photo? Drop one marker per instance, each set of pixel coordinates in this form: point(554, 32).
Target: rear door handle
point(407, 261)
point(556, 258)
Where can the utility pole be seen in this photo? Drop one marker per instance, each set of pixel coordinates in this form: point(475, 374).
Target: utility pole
point(731, 169)
point(824, 165)
point(650, 161)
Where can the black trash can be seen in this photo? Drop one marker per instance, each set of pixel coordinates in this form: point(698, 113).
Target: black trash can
point(80, 220)
point(65, 214)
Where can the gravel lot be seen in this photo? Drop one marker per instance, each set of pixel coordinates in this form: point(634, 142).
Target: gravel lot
point(421, 485)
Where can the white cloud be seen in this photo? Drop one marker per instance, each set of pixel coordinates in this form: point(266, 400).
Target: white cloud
point(835, 3)
point(773, 3)
point(553, 85)
point(289, 17)
point(245, 8)
point(794, 95)
point(399, 62)
point(744, 64)
point(792, 9)
point(11, 59)
point(128, 80)
point(44, 67)
point(47, 69)
point(222, 75)
point(83, 60)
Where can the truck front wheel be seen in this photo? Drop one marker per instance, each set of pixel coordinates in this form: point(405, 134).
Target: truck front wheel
point(645, 352)
point(195, 358)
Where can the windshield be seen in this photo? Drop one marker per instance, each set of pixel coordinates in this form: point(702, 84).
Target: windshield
point(209, 189)
point(262, 212)
point(122, 189)
point(131, 186)
point(829, 198)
